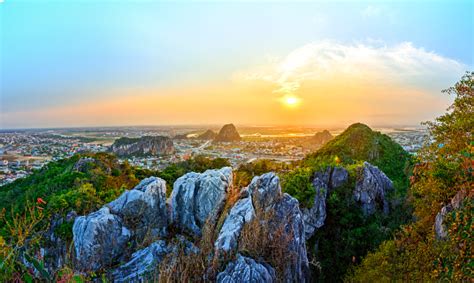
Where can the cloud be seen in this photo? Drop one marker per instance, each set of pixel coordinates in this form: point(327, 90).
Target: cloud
point(371, 62)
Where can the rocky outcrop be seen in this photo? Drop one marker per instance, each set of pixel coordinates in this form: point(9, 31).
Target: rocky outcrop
point(371, 189)
point(228, 133)
point(323, 182)
point(207, 135)
point(198, 196)
point(264, 201)
point(439, 226)
point(147, 145)
point(321, 138)
point(101, 238)
point(143, 208)
point(315, 215)
point(242, 212)
point(55, 249)
point(245, 269)
point(142, 263)
point(104, 238)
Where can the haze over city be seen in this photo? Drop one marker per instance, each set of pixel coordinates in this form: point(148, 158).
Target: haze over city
point(84, 63)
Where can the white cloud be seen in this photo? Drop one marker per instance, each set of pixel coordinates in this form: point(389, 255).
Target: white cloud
point(370, 62)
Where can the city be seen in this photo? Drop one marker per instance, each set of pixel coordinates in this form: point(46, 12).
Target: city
point(23, 151)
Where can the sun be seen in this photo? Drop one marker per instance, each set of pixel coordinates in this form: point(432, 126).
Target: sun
point(291, 100)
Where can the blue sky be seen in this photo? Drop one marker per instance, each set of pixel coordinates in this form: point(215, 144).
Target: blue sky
point(59, 53)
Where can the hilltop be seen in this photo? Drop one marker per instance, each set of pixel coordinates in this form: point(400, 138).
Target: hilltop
point(359, 143)
point(228, 133)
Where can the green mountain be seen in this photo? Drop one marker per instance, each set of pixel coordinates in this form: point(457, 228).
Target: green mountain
point(360, 143)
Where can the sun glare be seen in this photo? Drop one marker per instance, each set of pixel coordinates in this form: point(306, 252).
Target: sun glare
point(291, 100)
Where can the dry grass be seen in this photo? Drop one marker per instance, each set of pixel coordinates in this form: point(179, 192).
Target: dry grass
point(264, 238)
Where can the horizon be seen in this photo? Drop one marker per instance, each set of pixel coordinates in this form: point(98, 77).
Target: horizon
point(128, 63)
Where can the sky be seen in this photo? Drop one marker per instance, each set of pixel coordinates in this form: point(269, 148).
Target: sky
point(324, 63)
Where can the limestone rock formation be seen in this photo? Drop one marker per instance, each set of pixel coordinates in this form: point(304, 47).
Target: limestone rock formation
point(371, 189)
point(99, 239)
point(245, 269)
point(143, 208)
point(315, 215)
point(264, 201)
point(323, 183)
point(197, 196)
point(142, 263)
point(147, 145)
point(456, 203)
point(242, 212)
point(207, 135)
point(228, 133)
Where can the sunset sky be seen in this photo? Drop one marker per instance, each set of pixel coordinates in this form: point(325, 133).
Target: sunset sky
point(83, 63)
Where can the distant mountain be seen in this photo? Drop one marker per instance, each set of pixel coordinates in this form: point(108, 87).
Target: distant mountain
point(208, 135)
point(147, 145)
point(322, 137)
point(228, 133)
point(360, 143)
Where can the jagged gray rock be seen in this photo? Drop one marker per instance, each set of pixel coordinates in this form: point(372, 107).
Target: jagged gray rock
point(242, 212)
point(100, 238)
point(245, 269)
point(55, 250)
point(339, 177)
point(289, 217)
point(142, 263)
point(143, 208)
point(439, 226)
point(196, 197)
point(371, 189)
point(265, 191)
point(315, 215)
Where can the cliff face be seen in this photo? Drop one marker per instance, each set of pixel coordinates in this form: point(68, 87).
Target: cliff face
point(228, 133)
point(143, 146)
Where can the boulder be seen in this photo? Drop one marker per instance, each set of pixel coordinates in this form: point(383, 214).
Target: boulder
point(143, 209)
point(245, 269)
point(196, 197)
point(242, 212)
point(315, 215)
point(143, 263)
point(100, 238)
point(371, 189)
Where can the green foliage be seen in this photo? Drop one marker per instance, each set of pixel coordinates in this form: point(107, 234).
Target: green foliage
point(444, 169)
point(298, 184)
point(246, 172)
